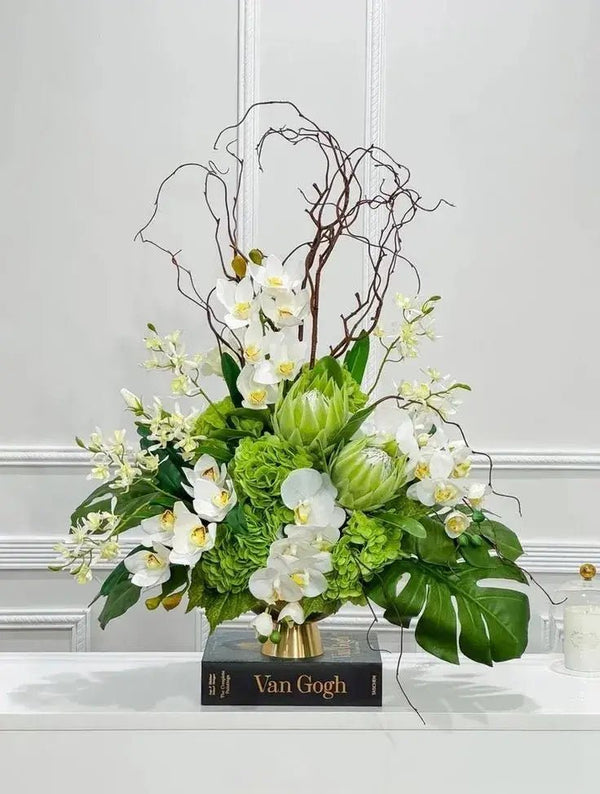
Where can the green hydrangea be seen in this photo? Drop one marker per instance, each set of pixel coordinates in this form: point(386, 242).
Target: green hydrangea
point(227, 567)
point(260, 465)
point(218, 415)
point(365, 548)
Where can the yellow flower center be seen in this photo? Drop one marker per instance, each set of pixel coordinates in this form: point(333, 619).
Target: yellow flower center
point(221, 499)
point(199, 536)
point(153, 562)
point(241, 310)
point(299, 578)
point(274, 281)
point(252, 353)
point(284, 313)
point(422, 470)
point(257, 397)
point(456, 525)
point(286, 368)
point(167, 521)
point(209, 474)
point(461, 469)
point(444, 493)
point(302, 513)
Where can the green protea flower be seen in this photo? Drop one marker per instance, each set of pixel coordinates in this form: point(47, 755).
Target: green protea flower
point(313, 411)
point(366, 477)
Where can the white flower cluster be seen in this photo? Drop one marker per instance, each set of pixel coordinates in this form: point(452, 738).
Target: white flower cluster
point(267, 305)
point(179, 537)
point(437, 397)
point(115, 455)
point(173, 427)
point(299, 560)
point(168, 353)
point(438, 466)
point(91, 540)
point(404, 337)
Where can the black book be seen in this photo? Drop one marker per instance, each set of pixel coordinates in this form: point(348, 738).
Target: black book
point(235, 673)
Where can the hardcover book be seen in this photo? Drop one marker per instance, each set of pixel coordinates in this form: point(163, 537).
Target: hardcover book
point(235, 673)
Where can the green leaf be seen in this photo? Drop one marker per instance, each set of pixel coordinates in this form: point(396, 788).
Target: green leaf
point(236, 519)
point(504, 539)
point(409, 525)
point(477, 556)
point(118, 574)
point(488, 624)
point(170, 470)
point(356, 358)
point(226, 606)
point(100, 499)
point(196, 588)
point(318, 605)
point(436, 547)
point(352, 425)
point(121, 598)
point(216, 449)
point(331, 367)
point(231, 371)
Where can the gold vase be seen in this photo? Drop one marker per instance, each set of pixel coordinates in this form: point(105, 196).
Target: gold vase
point(297, 642)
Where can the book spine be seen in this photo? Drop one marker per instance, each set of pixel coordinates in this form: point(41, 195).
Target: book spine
point(291, 683)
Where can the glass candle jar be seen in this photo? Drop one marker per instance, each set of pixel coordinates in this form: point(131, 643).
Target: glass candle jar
point(581, 622)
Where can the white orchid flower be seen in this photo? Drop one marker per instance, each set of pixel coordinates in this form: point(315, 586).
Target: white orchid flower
point(160, 528)
point(292, 612)
point(311, 496)
point(438, 488)
point(286, 356)
point(149, 567)
point(283, 582)
point(320, 538)
point(238, 299)
point(462, 458)
point(476, 493)
point(263, 624)
point(213, 500)
point(256, 395)
point(210, 363)
point(455, 523)
point(286, 308)
point(273, 276)
point(255, 343)
point(295, 549)
point(191, 537)
point(206, 468)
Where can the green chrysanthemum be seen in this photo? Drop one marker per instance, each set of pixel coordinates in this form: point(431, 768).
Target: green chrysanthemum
point(260, 465)
point(365, 548)
point(227, 567)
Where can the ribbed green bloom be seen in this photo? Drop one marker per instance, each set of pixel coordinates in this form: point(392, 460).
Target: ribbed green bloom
point(365, 476)
point(227, 567)
point(313, 411)
point(260, 465)
point(365, 548)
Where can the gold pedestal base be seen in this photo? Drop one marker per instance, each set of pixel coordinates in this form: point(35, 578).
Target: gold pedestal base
point(297, 642)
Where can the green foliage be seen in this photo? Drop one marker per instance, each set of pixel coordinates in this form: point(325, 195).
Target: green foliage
point(319, 606)
point(120, 598)
point(261, 465)
point(169, 474)
point(406, 523)
point(220, 607)
point(491, 621)
point(231, 370)
point(504, 539)
point(196, 588)
point(353, 424)
point(357, 356)
point(99, 500)
point(436, 547)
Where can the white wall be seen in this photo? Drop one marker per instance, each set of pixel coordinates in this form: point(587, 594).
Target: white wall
point(493, 106)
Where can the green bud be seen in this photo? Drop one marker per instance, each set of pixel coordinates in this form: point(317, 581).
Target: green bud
point(256, 256)
point(474, 540)
point(262, 639)
point(153, 603)
point(275, 637)
point(478, 516)
point(366, 477)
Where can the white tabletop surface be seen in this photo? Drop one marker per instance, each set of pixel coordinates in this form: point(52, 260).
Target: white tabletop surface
point(148, 691)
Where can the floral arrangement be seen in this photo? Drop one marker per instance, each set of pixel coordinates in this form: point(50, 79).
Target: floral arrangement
point(302, 489)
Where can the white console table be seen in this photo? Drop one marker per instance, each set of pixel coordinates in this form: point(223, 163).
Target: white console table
point(112, 723)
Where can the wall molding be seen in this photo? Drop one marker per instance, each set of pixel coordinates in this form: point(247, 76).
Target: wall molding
point(47, 456)
point(77, 621)
point(22, 553)
point(248, 72)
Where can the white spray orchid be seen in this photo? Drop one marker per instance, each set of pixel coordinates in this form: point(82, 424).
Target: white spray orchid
point(292, 612)
point(150, 566)
point(311, 496)
point(286, 356)
point(256, 395)
point(191, 538)
point(238, 299)
point(160, 528)
point(213, 500)
point(438, 488)
point(263, 624)
point(255, 343)
point(286, 308)
point(206, 468)
point(273, 276)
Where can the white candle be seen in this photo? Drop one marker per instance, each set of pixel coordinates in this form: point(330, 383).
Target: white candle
point(582, 638)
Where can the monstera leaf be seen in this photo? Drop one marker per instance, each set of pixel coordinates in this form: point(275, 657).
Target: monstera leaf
point(488, 624)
